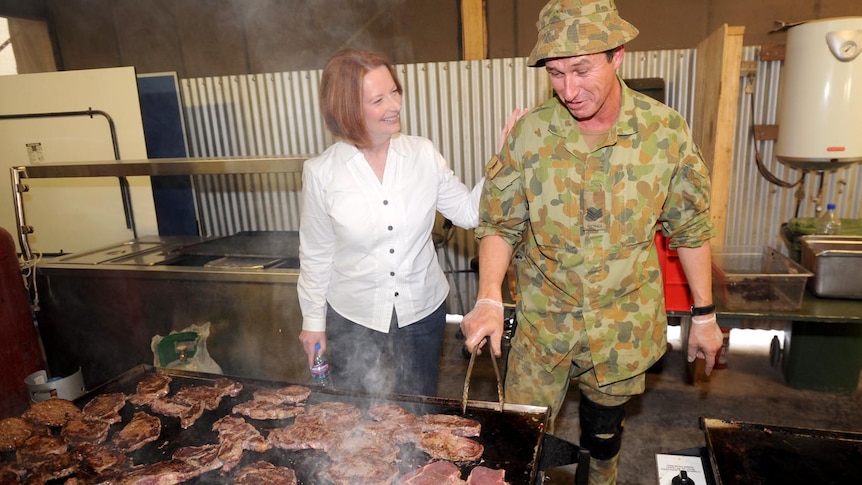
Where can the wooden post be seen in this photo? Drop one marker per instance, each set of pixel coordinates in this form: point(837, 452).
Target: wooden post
point(717, 81)
point(474, 30)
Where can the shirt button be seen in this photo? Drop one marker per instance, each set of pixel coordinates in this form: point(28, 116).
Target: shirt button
point(391, 273)
point(385, 202)
point(390, 228)
point(391, 251)
point(396, 293)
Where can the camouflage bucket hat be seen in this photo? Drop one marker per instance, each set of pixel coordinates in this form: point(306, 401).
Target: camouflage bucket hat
point(576, 27)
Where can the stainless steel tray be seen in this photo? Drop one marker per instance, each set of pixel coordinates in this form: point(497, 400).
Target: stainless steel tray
point(836, 262)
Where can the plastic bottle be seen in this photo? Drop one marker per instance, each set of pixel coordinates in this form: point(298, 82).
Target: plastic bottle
point(828, 222)
point(320, 369)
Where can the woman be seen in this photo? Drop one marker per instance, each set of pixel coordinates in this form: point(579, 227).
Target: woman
point(371, 290)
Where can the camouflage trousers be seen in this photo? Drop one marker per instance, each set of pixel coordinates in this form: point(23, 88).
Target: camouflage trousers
point(529, 382)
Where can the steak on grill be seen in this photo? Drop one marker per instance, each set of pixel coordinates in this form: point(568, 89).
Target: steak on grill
point(292, 394)
point(209, 397)
point(205, 458)
point(336, 414)
point(160, 473)
point(188, 413)
point(256, 409)
point(99, 458)
point(106, 407)
point(265, 473)
point(228, 387)
point(391, 412)
point(434, 473)
point(52, 412)
point(304, 436)
point(79, 431)
point(365, 470)
point(230, 428)
point(142, 429)
point(363, 444)
point(15, 431)
point(151, 387)
point(457, 425)
point(38, 451)
point(447, 446)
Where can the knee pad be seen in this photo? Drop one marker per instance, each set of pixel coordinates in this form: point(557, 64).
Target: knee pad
point(601, 428)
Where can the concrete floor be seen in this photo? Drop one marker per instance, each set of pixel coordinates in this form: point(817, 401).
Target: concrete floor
point(666, 417)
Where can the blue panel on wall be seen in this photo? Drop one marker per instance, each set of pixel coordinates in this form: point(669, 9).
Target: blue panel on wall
point(164, 131)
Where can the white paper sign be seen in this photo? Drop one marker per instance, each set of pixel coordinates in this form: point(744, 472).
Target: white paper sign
point(669, 467)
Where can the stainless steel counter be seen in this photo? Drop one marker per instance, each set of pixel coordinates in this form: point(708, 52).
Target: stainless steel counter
point(100, 309)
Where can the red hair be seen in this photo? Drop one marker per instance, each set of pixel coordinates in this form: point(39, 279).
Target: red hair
point(341, 93)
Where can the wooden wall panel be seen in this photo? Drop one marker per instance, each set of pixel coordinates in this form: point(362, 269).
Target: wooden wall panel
point(717, 91)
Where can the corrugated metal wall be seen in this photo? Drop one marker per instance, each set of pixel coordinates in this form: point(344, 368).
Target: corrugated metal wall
point(461, 106)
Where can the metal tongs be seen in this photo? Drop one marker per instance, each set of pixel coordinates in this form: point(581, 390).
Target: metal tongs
point(470, 372)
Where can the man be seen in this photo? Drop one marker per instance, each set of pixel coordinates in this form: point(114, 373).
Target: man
point(577, 194)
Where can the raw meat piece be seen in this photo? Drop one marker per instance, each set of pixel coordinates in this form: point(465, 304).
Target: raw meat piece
point(447, 446)
point(52, 412)
point(457, 425)
point(142, 429)
point(265, 473)
point(481, 475)
point(106, 407)
point(15, 431)
point(434, 473)
point(78, 431)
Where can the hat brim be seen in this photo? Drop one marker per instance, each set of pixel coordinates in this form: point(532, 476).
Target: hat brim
point(556, 40)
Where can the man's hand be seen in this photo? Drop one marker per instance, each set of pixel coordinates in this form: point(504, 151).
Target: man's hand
point(308, 339)
point(504, 133)
point(484, 320)
point(704, 340)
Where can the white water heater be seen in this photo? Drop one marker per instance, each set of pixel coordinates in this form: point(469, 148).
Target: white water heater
point(820, 97)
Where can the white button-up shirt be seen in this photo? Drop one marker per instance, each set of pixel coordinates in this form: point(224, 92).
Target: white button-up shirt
point(365, 246)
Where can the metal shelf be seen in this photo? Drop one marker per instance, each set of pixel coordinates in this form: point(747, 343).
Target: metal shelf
point(163, 166)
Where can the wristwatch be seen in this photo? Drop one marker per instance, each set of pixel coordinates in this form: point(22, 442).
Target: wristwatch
point(702, 310)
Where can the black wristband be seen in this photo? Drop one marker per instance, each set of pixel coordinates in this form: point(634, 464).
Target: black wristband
point(702, 310)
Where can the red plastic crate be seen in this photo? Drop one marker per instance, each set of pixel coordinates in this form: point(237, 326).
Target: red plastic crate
point(677, 295)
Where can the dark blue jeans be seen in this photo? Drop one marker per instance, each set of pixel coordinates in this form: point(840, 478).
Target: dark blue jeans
point(403, 361)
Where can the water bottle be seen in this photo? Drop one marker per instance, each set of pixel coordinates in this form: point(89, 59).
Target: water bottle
point(320, 369)
point(828, 222)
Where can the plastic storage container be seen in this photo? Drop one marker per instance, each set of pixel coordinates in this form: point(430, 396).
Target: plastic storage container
point(757, 278)
point(677, 295)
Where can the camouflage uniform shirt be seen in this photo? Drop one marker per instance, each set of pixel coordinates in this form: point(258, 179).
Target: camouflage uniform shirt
point(584, 220)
